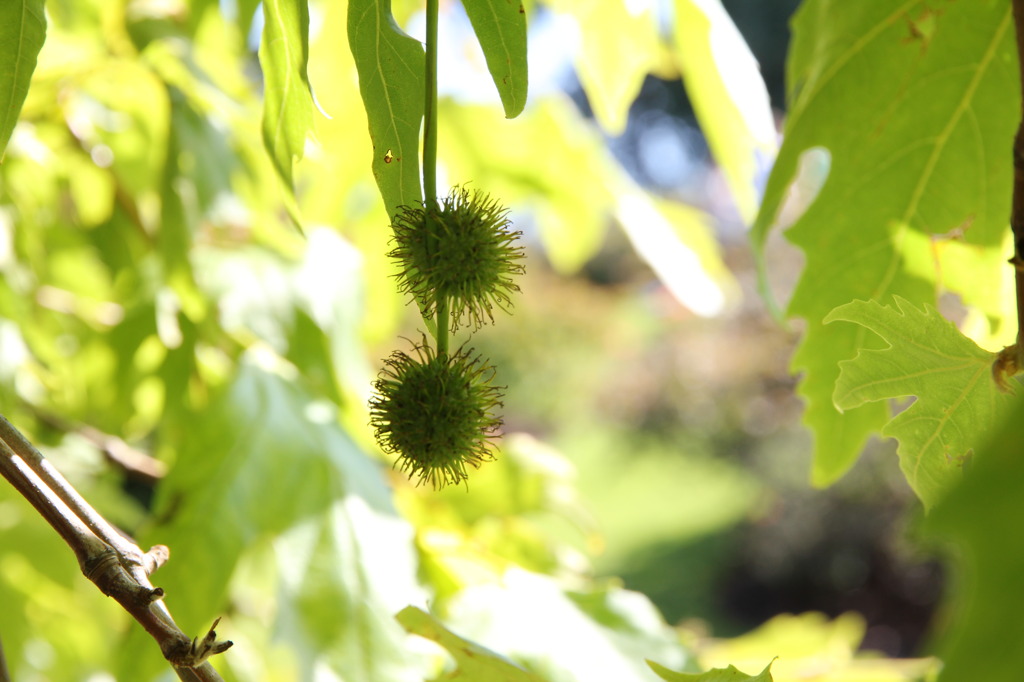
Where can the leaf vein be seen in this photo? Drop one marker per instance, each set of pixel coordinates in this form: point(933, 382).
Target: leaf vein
point(947, 415)
point(850, 53)
point(962, 107)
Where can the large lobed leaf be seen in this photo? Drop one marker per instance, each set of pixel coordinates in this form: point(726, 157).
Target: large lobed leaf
point(391, 81)
point(958, 402)
point(287, 103)
point(500, 26)
point(915, 103)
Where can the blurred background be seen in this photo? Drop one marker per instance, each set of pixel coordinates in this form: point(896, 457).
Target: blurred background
point(680, 420)
point(683, 427)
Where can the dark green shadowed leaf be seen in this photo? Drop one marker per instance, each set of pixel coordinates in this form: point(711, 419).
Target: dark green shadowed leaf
point(391, 82)
point(915, 105)
point(22, 32)
point(500, 26)
point(287, 103)
point(980, 518)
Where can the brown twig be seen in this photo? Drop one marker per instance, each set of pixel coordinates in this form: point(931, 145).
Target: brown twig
point(5, 675)
point(106, 557)
point(1010, 361)
point(136, 464)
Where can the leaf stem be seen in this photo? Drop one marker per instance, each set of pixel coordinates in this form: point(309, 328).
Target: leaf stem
point(430, 111)
point(442, 326)
point(430, 156)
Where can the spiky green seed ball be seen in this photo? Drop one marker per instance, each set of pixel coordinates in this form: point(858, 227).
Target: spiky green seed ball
point(462, 253)
point(437, 413)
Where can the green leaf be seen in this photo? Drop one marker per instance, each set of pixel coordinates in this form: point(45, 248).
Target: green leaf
point(730, 674)
point(728, 94)
point(958, 402)
point(22, 33)
point(391, 81)
point(982, 628)
point(287, 101)
point(473, 661)
point(916, 106)
point(500, 26)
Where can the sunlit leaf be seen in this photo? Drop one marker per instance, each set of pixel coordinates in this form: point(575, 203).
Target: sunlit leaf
point(341, 573)
point(612, 630)
point(287, 104)
point(728, 94)
point(473, 662)
point(391, 82)
point(22, 32)
point(812, 646)
point(500, 26)
point(619, 48)
point(916, 105)
point(730, 674)
point(958, 402)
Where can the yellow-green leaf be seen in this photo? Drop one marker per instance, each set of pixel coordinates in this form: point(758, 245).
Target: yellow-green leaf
point(958, 403)
point(473, 661)
point(916, 105)
point(730, 674)
point(287, 103)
